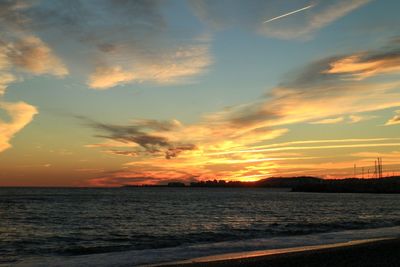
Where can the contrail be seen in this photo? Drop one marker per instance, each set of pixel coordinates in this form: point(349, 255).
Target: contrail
point(290, 13)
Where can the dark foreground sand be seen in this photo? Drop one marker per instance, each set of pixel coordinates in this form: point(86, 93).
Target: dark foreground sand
point(378, 254)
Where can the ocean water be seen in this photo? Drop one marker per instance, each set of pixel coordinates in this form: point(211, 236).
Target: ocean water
point(38, 224)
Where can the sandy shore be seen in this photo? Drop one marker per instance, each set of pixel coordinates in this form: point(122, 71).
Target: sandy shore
point(383, 253)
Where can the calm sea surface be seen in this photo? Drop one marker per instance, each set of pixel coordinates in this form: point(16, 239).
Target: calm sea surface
point(37, 222)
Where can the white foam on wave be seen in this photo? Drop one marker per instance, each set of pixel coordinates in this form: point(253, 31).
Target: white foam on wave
point(182, 253)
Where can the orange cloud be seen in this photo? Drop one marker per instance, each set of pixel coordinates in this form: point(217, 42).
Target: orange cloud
point(394, 120)
point(362, 66)
point(105, 77)
point(374, 155)
point(313, 142)
point(5, 80)
point(20, 115)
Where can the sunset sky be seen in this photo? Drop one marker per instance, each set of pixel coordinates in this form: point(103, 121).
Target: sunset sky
point(105, 93)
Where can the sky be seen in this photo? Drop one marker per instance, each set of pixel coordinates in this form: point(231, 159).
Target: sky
point(116, 92)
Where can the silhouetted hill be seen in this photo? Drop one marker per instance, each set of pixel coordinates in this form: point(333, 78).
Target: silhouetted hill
point(288, 182)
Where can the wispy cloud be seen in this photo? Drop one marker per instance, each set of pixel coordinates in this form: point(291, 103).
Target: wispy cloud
point(345, 119)
point(302, 148)
point(106, 77)
point(394, 120)
point(176, 66)
point(359, 118)
point(391, 159)
point(294, 144)
point(329, 121)
point(349, 119)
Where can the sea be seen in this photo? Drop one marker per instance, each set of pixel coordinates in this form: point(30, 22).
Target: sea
point(134, 226)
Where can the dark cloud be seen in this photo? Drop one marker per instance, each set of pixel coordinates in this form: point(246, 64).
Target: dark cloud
point(129, 134)
point(251, 114)
point(123, 153)
point(12, 14)
point(175, 151)
point(120, 181)
point(106, 25)
point(311, 74)
point(157, 124)
point(141, 134)
point(107, 48)
point(89, 20)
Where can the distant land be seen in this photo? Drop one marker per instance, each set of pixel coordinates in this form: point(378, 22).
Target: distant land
point(384, 185)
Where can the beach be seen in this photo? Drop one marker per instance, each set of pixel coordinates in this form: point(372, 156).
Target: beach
point(384, 253)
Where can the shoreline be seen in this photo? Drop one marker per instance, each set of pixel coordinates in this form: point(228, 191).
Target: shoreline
point(369, 252)
point(234, 252)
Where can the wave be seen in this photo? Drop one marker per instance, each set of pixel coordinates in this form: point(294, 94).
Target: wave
point(180, 253)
